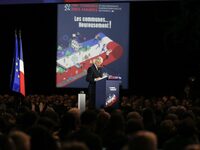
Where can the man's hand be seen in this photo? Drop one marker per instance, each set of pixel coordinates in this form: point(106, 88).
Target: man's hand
point(97, 79)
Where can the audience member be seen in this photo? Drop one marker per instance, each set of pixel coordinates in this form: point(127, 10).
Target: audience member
point(143, 140)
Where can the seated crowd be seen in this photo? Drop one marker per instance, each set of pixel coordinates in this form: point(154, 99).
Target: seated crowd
point(39, 122)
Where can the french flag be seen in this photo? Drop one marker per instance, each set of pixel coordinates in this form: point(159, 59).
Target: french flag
point(18, 82)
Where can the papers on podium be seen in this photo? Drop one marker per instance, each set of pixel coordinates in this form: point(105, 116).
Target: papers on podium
point(100, 78)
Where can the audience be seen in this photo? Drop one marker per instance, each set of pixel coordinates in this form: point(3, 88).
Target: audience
point(55, 123)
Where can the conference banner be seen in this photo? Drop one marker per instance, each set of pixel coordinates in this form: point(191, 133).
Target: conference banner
point(87, 31)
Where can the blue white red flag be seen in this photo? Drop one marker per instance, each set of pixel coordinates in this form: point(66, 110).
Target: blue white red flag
point(18, 83)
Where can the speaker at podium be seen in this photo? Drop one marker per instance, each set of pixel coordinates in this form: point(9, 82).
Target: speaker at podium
point(107, 92)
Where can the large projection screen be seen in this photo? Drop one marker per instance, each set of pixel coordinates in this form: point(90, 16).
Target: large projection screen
point(60, 1)
point(86, 31)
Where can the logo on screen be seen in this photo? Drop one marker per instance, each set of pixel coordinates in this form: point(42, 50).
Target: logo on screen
point(67, 7)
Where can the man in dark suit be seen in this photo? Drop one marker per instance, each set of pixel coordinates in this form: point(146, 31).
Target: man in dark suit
point(94, 73)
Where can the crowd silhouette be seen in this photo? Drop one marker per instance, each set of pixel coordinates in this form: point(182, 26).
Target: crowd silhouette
point(54, 122)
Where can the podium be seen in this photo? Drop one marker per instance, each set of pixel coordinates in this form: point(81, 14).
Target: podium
point(107, 93)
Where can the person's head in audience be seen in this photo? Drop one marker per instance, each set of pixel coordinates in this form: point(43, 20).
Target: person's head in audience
point(187, 128)
point(88, 119)
point(165, 131)
point(47, 123)
point(27, 120)
point(171, 116)
point(134, 115)
point(103, 115)
point(181, 110)
point(149, 119)
point(133, 126)
point(168, 103)
point(41, 139)
point(116, 122)
point(148, 115)
point(75, 112)
point(172, 109)
point(147, 103)
point(102, 121)
point(51, 115)
point(167, 126)
point(143, 140)
point(74, 146)
point(193, 147)
point(21, 140)
point(69, 122)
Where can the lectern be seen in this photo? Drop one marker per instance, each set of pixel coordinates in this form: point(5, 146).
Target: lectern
point(107, 93)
